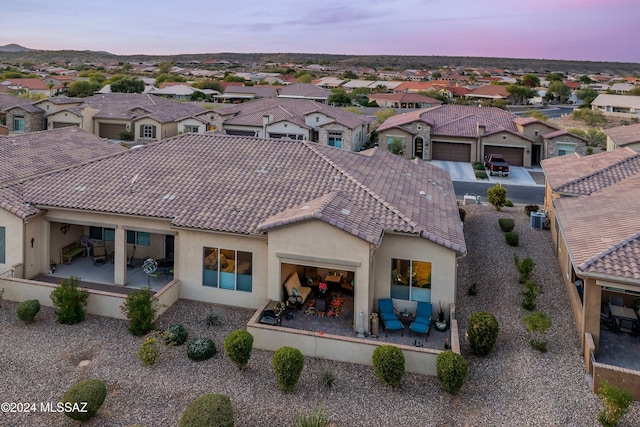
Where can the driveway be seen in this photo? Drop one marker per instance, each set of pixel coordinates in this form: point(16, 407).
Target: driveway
point(463, 171)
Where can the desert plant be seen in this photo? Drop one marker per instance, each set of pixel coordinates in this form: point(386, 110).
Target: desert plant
point(529, 293)
point(452, 370)
point(478, 166)
point(211, 319)
point(506, 224)
point(615, 401)
point(317, 418)
point(473, 289)
point(27, 310)
point(508, 203)
point(497, 196)
point(538, 323)
point(149, 350)
point(238, 346)
point(91, 392)
point(175, 334)
point(481, 175)
point(208, 410)
point(512, 238)
point(525, 267)
point(201, 349)
point(140, 308)
point(388, 364)
point(287, 366)
point(531, 208)
point(70, 301)
point(328, 378)
point(482, 331)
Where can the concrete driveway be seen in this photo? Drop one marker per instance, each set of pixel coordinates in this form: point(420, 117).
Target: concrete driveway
point(463, 171)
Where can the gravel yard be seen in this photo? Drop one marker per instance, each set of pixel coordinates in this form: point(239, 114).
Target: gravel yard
point(514, 386)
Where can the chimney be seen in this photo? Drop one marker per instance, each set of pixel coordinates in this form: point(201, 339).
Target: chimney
point(481, 129)
point(266, 119)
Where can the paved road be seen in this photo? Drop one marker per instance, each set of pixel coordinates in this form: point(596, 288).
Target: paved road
point(519, 194)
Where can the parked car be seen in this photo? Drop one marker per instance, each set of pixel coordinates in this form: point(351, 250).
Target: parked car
point(496, 165)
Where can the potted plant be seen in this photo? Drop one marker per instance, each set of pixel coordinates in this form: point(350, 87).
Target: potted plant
point(441, 323)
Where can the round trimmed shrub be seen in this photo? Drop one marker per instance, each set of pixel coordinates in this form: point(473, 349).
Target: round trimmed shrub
point(238, 346)
point(27, 310)
point(93, 392)
point(512, 238)
point(176, 334)
point(287, 366)
point(452, 371)
point(201, 349)
point(482, 329)
point(506, 224)
point(208, 410)
point(388, 364)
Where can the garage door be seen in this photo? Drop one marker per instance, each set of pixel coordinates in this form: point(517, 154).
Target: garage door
point(58, 125)
point(452, 152)
point(513, 156)
point(111, 131)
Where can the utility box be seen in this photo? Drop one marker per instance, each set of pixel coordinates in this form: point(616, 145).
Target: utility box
point(470, 199)
point(537, 220)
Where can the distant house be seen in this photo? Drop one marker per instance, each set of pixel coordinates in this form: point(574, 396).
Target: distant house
point(617, 105)
point(489, 92)
point(24, 85)
point(239, 93)
point(621, 88)
point(623, 136)
point(403, 100)
point(305, 91)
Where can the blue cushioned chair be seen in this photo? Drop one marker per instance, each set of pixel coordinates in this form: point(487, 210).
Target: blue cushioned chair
point(390, 320)
point(422, 322)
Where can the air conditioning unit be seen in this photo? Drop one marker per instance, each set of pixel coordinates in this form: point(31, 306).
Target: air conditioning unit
point(537, 220)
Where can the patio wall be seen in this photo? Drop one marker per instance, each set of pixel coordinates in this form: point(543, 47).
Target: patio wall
point(100, 303)
point(620, 377)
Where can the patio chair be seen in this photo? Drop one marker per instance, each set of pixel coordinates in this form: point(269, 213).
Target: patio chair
point(606, 319)
point(616, 300)
point(99, 253)
point(390, 321)
point(422, 322)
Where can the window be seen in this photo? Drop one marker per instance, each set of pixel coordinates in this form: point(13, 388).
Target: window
point(564, 149)
point(191, 129)
point(18, 123)
point(3, 245)
point(227, 269)
point(335, 139)
point(99, 233)
point(410, 280)
point(147, 131)
point(138, 238)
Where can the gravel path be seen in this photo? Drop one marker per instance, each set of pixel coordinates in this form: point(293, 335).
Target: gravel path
point(513, 386)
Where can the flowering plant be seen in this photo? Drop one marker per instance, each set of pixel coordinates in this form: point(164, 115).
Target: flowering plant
point(322, 287)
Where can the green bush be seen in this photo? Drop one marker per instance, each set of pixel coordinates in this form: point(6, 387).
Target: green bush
point(201, 349)
point(388, 364)
point(175, 334)
point(149, 350)
point(208, 410)
point(529, 293)
point(506, 224)
point(481, 175)
point(70, 301)
point(473, 289)
point(317, 418)
point(238, 346)
point(531, 208)
point(525, 267)
point(512, 238)
point(140, 308)
point(482, 330)
point(508, 203)
point(478, 166)
point(27, 310)
point(92, 392)
point(452, 371)
point(538, 323)
point(287, 366)
point(615, 401)
point(497, 196)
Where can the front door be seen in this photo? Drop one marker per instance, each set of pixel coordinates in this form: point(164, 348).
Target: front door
point(418, 144)
point(168, 246)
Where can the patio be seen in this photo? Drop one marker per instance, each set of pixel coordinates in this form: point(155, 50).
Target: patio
point(619, 349)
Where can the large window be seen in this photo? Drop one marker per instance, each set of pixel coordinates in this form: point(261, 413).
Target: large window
point(564, 149)
point(227, 269)
point(3, 245)
point(335, 139)
point(147, 131)
point(138, 238)
point(410, 280)
point(99, 233)
point(18, 124)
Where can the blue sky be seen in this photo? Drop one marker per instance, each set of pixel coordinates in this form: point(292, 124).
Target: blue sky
point(597, 30)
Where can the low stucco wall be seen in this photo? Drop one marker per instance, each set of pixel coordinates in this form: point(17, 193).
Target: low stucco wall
point(627, 379)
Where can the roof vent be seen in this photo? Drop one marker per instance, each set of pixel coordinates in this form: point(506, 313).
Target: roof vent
point(262, 170)
point(344, 211)
point(422, 193)
point(337, 178)
point(169, 196)
point(81, 188)
point(304, 208)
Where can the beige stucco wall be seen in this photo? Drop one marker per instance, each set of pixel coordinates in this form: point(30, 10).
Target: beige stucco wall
point(287, 128)
point(202, 128)
point(63, 117)
point(318, 244)
point(443, 268)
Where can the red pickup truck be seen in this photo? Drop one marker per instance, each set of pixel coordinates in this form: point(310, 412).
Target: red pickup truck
point(496, 165)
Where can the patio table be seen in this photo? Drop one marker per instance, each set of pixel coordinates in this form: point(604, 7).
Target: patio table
point(624, 313)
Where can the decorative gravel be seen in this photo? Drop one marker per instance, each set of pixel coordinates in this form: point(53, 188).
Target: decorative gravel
point(513, 386)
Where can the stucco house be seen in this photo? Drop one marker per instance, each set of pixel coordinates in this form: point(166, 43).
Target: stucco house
point(467, 134)
point(617, 105)
point(305, 91)
point(623, 136)
point(403, 100)
point(299, 119)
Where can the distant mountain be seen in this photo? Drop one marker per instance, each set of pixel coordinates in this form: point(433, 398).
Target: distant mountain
point(14, 48)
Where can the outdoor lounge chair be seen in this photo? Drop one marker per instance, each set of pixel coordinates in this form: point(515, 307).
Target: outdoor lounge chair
point(422, 322)
point(99, 253)
point(616, 300)
point(390, 320)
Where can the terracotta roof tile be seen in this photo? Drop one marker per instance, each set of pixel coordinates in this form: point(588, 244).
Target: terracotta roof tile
point(624, 135)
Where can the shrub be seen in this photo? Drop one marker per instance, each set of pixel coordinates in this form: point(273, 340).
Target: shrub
point(482, 330)
point(530, 293)
point(208, 410)
point(140, 308)
point(615, 401)
point(452, 370)
point(388, 364)
point(506, 224)
point(478, 166)
point(317, 418)
point(70, 301)
point(531, 208)
point(287, 367)
point(512, 238)
point(481, 175)
point(524, 267)
point(126, 135)
point(27, 310)
point(201, 349)
point(328, 377)
point(473, 289)
point(211, 319)
point(538, 323)
point(149, 350)
point(463, 214)
point(1, 296)
point(238, 346)
point(508, 203)
point(92, 392)
point(497, 196)
point(175, 334)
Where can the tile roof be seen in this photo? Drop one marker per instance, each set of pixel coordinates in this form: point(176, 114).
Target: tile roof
point(626, 101)
point(304, 90)
point(624, 135)
point(405, 97)
point(557, 133)
point(490, 91)
point(240, 184)
point(8, 101)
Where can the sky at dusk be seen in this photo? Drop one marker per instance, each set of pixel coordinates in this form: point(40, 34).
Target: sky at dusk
point(594, 30)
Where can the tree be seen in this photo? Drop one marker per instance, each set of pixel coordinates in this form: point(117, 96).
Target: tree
point(590, 117)
point(382, 115)
point(594, 137)
point(436, 75)
point(127, 67)
point(128, 85)
point(339, 98)
point(520, 94)
point(538, 323)
point(497, 196)
point(558, 90)
point(83, 88)
point(169, 78)
point(555, 77)
point(585, 79)
point(587, 95)
point(165, 68)
point(234, 78)
point(538, 115)
point(208, 84)
point(361, 95)
point(436, 94)
point(349, 75)
point(305, 78)
point(530, 80)
point(396, 146)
